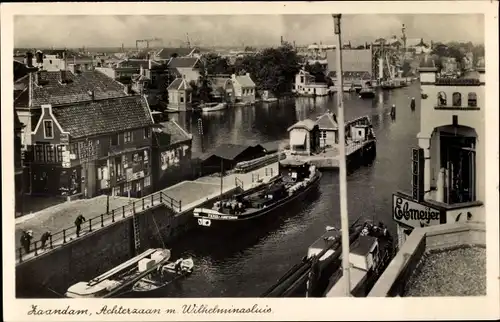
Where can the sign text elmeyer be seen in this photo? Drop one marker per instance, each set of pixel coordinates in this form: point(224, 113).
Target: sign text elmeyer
point(414, 214)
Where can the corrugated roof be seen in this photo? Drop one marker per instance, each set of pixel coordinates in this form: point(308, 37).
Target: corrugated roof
point(327, 122)
point(245, 81)
point(359, 60)
point(183, 62)
point(104, 116)
point(175, 131)
point(77, 89)
point(307, 124)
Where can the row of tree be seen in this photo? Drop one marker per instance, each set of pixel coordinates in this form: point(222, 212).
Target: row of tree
point(458, 51)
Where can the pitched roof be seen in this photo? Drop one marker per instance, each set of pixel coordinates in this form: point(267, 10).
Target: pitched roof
point(179, 84)
point(352, 60)
point(327, 122)
point(183, 62)
point(104, 116)
point(175, 131)
point(137, 63)
point(166, 53)
point(245, 81)
point(307, 124)
point(77, 89)
point(229, 151)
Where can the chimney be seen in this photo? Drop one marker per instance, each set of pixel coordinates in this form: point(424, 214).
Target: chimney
point(91, 94)
point(248, 74)
point(62, 76)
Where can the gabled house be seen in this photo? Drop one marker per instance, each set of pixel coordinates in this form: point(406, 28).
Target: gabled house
point(180, 95)
point(171, 157)
point(92, 147)
point(305, 85)
point(304, 137)
point(328, 129)
point(244, 88)
point(223, 89)
point(188, 67)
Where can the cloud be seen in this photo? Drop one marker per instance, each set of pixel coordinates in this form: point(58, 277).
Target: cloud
point(78, 31)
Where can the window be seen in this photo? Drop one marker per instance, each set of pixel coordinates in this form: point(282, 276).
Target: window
point(472, 100)
point(181, 99)
point(48, 132)
point(49, 149)
point(147, 132)
point(114, 139)
point(147, 181)
point(39, 155)
point(441, 99)
point(302, 79)
point(138, 186)
point(73, 149)
point(457, 99)
point(126, 187)
point(116, 191)
point(127, 137)
point(60, 153)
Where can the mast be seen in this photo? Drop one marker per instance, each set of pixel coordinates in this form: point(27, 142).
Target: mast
point(344, 217)
point(221, 176)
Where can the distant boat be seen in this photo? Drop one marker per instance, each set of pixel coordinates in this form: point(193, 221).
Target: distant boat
point(171, 110)
point(211, 107)
point(270, 100)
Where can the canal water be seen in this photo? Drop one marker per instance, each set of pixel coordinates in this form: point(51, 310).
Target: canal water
point(246, 263)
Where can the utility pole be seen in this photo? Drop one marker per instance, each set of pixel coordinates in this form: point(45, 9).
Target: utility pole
point(344, 217)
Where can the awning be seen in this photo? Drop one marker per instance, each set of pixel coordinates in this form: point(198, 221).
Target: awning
point(297, 138)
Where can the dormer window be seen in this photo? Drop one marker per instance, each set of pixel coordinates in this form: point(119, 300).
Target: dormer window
point(441, 99)
point(48, 130)
point(472, 99)
point(457, 99)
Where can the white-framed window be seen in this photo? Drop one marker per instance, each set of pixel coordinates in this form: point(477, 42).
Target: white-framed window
point(50, 153)
point(127, 137)
point(147, 181)
point(48, 129)
point(39, 153)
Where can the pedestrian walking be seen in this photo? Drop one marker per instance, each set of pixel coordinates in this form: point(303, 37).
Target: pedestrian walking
point(45, 237)
point(78, 223)
point(26, 238)
point(412, 104)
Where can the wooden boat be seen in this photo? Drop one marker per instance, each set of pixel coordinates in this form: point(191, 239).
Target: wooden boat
point(211, 107)
point(163, 276)
point(269, 100)
point(319, 270)
point(119, 279)
point(299, 179)
point(369, 256)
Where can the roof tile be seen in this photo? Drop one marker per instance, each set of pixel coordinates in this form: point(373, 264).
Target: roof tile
point(104, 116)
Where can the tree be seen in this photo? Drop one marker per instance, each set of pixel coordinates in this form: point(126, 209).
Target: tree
point(215, 64)
point(317, 71)
point(202, 90)
point(406, 68)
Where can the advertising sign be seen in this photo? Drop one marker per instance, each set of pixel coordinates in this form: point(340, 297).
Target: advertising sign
point(64, 138)
point(414, 214)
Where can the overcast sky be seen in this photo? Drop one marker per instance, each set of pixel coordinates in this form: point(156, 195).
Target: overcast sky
point(110, 31)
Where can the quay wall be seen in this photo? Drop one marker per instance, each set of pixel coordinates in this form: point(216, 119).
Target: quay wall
point(90, 255)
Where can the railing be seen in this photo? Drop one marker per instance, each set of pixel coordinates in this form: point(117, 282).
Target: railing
point(66, 235)
point(238, 183)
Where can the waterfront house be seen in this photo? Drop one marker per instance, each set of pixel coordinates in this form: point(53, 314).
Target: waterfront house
point(222, 88)
point(305, 85)
point(329, 130)
point(304, 137)
point(92, 147)
point(180, 94)
point(448, 179)
point(76, 93)
point(244, 88)
point(171, 155)
point(188, 67)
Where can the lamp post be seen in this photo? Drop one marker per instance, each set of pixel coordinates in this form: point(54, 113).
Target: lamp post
point(344, 217)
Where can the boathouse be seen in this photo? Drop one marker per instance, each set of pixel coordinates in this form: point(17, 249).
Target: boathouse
point(171, 155)
point(447, 184)
point(226, 156)
point(304, 137)
point(329, 130)
point(179, 95)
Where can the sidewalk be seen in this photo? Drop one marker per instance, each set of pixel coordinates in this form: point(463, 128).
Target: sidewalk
point(189, 193)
